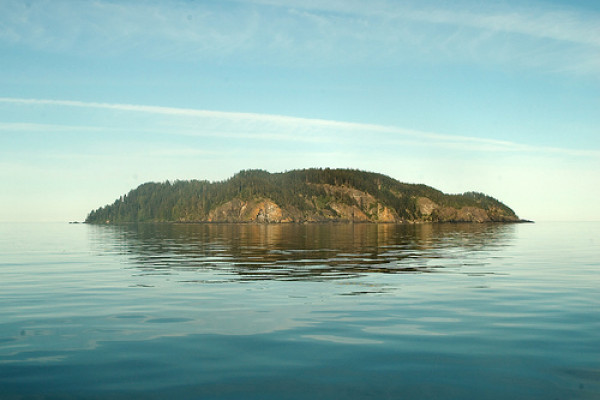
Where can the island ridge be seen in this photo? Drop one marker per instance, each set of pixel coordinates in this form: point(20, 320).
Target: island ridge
point(308, 195)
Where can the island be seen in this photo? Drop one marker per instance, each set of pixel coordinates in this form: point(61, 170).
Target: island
point(300, 196)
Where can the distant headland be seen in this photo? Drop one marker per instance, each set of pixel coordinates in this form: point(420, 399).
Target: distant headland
point(308, 195)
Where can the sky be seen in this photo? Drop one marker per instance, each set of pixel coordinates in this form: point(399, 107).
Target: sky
point(98, 97)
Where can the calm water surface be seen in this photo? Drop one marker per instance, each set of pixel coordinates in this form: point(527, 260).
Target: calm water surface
point(300, 311)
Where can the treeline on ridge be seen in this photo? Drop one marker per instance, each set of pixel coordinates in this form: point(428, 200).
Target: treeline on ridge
point(193, 200)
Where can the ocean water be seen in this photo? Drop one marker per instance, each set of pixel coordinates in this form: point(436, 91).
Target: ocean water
point(317, 311)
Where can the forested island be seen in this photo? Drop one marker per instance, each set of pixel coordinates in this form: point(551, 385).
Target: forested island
point(308, 195)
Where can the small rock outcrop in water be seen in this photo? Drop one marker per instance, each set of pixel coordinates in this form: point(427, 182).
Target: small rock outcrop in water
point(310, 195)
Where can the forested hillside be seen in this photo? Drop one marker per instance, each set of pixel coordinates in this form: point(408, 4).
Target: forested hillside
point(309, 195)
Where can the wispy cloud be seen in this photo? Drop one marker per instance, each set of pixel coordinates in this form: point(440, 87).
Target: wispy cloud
point(528, 34)
point(533, 37)
point(268, 127)
point(33, 127)
point(564, 24)
point(308, 32)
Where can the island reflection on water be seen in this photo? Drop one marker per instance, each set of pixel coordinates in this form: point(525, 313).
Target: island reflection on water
point(302, 251)
point(220, 311)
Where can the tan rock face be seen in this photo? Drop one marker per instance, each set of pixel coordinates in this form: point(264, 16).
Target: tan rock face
point(237, 210)
point(266, 211)
point(497, 214)
point(349, 213)
point(426, 206)
point(227, 212)
point(367, 209)
point(433, 211)
point(465, 214)
point(472, 214)
point(385, 214)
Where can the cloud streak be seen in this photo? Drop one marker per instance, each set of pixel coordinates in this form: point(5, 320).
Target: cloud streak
point(561, 24)
point(33, 127)
point(268, 127)
point(308, 32)
point(566, 36)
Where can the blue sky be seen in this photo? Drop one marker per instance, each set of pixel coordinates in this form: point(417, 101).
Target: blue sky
point(98, 97)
